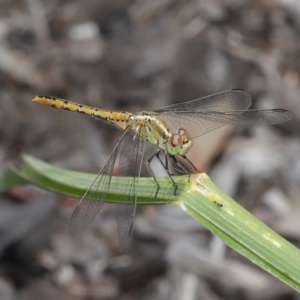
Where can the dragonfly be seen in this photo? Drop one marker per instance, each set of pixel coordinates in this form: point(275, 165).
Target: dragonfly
point(171, 131)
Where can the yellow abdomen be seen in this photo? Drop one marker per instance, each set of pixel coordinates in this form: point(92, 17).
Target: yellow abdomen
point(118, 118)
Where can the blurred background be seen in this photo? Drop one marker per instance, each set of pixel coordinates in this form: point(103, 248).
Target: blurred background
point(142, 55)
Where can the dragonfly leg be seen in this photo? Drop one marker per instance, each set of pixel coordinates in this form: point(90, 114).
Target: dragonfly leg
point(179, 167)
point(165, 166)
point(190, 163)
point(182, 168)
point(151, 171)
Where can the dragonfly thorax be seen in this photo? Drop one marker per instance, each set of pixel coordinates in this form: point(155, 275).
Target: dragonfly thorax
point(179, 143)
point(151, 128)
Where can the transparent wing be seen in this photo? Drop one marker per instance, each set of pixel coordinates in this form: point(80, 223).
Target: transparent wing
point(223, 101)
point(203, 115)
point(93, 199)
point(91, 203)
point(130, 158)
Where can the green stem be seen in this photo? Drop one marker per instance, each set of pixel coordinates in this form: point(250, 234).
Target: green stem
point(197, 196)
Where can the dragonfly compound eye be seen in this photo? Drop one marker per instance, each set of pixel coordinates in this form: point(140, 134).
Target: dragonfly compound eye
point(182, 132)
point(175, 140)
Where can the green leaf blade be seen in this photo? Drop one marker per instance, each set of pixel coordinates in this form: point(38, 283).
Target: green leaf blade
point(242, 231)
point(197, 196)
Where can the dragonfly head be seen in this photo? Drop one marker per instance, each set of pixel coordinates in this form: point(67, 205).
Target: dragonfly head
point(179, 143)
